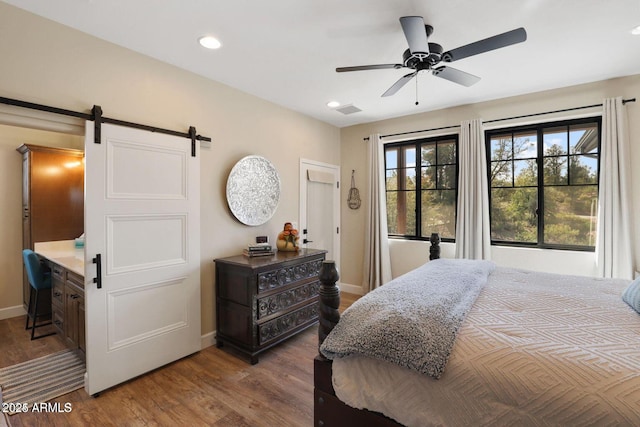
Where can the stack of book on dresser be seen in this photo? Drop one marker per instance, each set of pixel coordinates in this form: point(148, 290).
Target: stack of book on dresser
point(258, 249)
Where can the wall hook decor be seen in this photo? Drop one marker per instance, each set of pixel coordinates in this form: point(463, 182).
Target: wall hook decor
point(354, 195)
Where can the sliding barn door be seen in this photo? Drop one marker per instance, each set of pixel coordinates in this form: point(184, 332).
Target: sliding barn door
point(142, 219)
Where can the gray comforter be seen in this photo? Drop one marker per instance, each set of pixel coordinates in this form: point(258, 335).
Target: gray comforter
point(413, 320)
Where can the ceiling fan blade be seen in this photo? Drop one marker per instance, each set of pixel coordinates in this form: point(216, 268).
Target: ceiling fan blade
point(456, 76)
point(496, 42)
point(415, 33)
point(398, 85)
point(368, 67)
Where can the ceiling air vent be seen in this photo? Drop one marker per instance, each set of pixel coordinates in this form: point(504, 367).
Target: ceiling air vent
point(348, 109)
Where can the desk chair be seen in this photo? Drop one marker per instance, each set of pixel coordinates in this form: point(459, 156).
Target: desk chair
point(39, 281)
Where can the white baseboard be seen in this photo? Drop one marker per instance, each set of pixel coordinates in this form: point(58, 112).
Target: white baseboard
point(207, 340)
point(351, 289)
point(9, 312)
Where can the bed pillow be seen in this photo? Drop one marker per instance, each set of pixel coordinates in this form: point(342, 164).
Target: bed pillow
point(631, 295)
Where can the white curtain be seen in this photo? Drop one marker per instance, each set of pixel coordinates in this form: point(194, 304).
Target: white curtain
point(473, 234)
point(377, 263)
point(613, 242)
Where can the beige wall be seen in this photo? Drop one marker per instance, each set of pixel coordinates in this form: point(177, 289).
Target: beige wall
point(47, 63)
point(406, 255)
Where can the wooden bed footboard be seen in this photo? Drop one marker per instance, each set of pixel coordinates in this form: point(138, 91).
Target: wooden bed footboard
point(328, 410)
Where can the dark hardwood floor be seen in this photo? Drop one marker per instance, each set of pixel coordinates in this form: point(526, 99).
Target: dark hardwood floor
point(210, 388)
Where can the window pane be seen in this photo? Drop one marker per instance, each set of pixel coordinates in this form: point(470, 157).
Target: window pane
point(570, 215)
point(583, 169)
point(409, 156)
point(409, 176)
point(446, 177)
point(525, 145)
point(439, 213)
point(391, 158)
point(555, 170)
point(555, 141)
point(447, 153)
point(501, 147)
point(513, 214)
point(526, 172)
point(429, 177)
point(501, 174)
point(392, 180)
point(583, 139)
point(428, 156)
point(392, 212)
point(401, 212)
point(410, 214)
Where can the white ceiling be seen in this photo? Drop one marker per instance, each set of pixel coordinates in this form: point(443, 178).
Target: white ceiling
point(286, 51)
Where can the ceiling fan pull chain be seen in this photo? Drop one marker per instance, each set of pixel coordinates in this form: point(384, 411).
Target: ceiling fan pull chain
point(417, 89)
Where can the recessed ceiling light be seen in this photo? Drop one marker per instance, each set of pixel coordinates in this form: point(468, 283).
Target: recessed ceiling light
point(636, 31)
point(209, 42)
point(333, 104)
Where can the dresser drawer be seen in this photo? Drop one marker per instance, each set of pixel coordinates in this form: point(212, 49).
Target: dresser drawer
point(270, 280)
point(75, 279)
point(57, 318)
point(58, 272)
point(282, 301)
point(283, 325)
point(57, 293)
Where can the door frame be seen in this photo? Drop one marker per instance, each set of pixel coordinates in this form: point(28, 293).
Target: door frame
point(335, 169)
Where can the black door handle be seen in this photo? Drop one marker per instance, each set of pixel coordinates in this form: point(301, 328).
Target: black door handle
point(98, 279)
point(307, 241)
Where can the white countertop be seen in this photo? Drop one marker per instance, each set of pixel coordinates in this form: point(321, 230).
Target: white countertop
point(63, 253)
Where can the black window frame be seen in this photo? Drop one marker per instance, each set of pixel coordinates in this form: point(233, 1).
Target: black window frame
point(417, 144)
point(540, 128)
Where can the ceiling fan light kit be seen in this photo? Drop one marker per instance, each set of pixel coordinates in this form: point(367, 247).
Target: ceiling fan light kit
point(423, 55)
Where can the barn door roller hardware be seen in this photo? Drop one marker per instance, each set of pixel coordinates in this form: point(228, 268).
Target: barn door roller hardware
point(99, 119)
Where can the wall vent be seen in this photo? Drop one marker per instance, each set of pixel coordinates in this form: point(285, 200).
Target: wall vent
point(348, 109)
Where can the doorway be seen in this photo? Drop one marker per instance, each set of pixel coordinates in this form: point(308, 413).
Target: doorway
point(16, 345)
point(320, 207)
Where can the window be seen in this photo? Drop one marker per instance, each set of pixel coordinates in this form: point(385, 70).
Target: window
point(418, 207)
point(544, 184)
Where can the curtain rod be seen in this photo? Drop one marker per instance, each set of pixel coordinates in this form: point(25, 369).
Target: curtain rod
point(624, 101)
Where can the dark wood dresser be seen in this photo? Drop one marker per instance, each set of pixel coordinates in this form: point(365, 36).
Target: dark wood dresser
point(262, 301)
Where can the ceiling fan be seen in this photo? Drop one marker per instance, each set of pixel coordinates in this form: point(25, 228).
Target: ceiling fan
point(424, 55)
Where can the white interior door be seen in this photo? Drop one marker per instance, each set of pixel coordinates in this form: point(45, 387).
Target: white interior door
point(320, 207)
point(142, 215)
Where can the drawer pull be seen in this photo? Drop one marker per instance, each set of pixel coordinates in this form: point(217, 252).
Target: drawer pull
point(57, 293)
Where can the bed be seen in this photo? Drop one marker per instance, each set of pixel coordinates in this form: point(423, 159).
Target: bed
point(532, 349)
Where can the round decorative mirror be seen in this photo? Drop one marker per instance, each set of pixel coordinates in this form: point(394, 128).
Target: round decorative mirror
point(253, 190)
